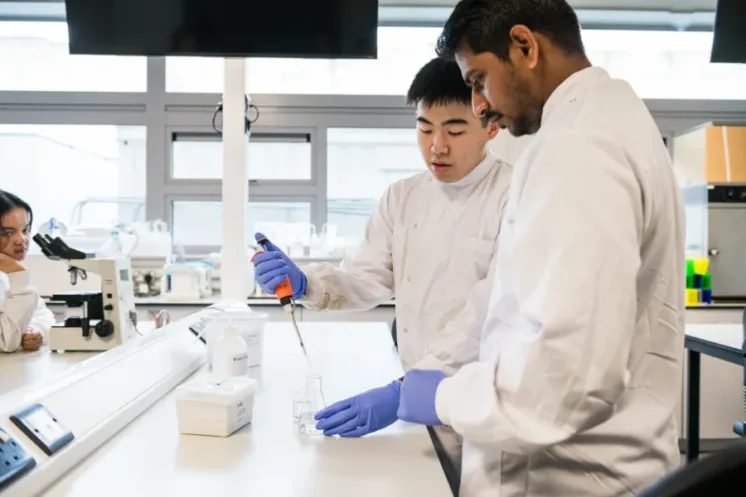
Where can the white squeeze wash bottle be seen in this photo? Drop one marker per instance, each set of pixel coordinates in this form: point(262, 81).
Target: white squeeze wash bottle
point(230, 355)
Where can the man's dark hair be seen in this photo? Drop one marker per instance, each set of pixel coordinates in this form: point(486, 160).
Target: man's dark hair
point(484, 25)
point(439, 82)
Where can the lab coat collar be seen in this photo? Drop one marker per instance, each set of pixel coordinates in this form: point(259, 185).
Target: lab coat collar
point(571, 88)
point(475, 176)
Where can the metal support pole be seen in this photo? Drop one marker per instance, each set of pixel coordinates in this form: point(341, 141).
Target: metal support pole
point(234, 265)
point(692, 417)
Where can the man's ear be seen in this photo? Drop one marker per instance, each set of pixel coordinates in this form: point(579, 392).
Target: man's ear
point(525, 46)
point(492, 129)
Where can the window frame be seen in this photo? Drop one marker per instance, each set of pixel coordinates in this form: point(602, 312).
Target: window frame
point(202, 250)
point(205, 133)
point(160, 111)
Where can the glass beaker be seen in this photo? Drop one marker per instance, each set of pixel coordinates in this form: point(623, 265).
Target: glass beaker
point(308, 405)
point(300, 399)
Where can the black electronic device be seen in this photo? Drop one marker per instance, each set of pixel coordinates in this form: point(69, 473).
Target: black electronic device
point(729, 35)
point(43, 428)
point(330, 29)
point(726, 194)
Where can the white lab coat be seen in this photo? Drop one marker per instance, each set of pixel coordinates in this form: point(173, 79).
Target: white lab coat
point(432, 245)
point(21, 309)
point(581, 356)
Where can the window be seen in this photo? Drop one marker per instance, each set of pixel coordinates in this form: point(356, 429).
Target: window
point(362, 163)
point(34, 56)
point(666, 64)
point(200, 223)
point(658, 64)
point(401, 52)
point(269, 157)
point(92, 175)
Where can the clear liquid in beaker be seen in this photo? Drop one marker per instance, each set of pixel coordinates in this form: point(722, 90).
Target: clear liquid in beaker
point(306, 403)
point(307, 424)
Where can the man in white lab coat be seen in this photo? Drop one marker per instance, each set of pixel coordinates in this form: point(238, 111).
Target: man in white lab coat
point(432, 243)
point(580, 366)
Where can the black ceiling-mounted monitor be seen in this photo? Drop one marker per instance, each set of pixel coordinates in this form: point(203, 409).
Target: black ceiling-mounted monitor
point(331, 29)
point(729, 40)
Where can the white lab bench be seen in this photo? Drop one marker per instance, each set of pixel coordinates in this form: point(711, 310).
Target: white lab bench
point(268, 457)
point(723, 342)
point(722, 385)
point(147, 307)
point(721, 394)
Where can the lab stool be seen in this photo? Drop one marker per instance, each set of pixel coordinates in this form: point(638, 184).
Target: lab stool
point(719, 474)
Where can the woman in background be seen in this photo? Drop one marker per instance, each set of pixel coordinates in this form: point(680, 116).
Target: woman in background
point(24, 318)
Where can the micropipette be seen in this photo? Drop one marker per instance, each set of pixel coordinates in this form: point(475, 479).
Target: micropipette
point(284, 292)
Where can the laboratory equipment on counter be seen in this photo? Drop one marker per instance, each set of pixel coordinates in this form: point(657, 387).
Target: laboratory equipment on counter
point(153, 250)
point(89, 403)
point(216, 258)
point(215, 407)
point(698, 282)
point(284, 292)
point(162, 318)
point(250, 326)
point(229, 354)
point(153, 240)
point(53, 227)
point(106, 241)
point(726, 240)
point(146, 283)
point(52, 276)
point(309, 404)
point(186, 281)
point(95, 321)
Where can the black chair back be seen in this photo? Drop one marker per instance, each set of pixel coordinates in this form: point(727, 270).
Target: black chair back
point(720, 474)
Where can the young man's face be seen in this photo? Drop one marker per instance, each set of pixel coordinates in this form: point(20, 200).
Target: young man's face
point(452, 139)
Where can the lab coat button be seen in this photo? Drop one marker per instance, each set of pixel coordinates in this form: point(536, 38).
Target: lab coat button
point(415, 225)
point(405, 330)
point(409, 279)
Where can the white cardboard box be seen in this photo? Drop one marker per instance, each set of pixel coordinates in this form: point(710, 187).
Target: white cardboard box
point(215, 406)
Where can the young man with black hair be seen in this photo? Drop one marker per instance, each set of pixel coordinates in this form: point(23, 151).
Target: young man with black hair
point(432, 244)
point(580, 366)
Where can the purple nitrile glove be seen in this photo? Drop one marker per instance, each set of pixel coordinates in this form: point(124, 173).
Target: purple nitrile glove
point(362, 414)
point(417, 398)
point(273, 266)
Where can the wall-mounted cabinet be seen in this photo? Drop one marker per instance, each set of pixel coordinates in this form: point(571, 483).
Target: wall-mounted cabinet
point(711, 154)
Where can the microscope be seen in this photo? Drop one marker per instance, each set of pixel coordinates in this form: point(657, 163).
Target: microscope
point(96, 321)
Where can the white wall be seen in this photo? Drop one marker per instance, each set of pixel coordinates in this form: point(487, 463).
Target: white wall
point(689, 157)
point(363, 163)
point(55, 167)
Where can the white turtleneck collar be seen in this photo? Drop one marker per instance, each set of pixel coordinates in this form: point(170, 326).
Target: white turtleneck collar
point(475, 175)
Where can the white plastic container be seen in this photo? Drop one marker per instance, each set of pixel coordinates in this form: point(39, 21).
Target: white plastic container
point(250, 327)
point(230, 354)
point(214, 407)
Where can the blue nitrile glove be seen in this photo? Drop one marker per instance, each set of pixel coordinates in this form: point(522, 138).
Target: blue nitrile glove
point(417, 399)
point(273, 266)
point(362, 414)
